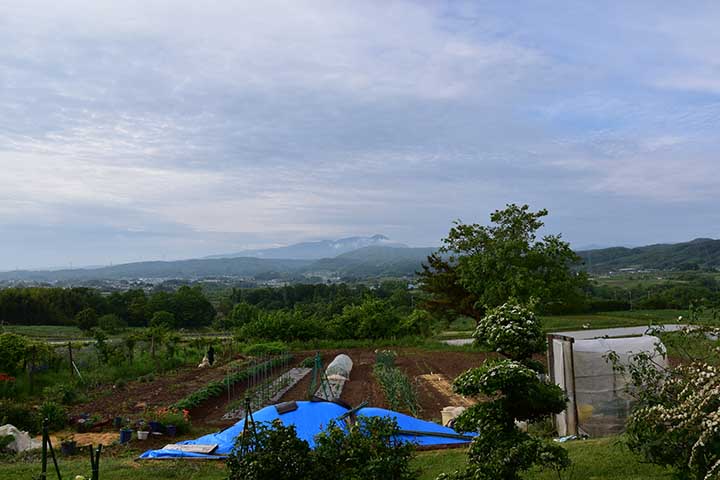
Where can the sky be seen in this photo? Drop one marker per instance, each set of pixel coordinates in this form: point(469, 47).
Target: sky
point(141, 129)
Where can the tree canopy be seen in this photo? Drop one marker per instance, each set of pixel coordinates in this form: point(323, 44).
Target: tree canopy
point(480, 266)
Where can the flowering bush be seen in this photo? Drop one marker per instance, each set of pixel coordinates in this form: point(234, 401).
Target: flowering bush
point(170, 416)
point(682, 429)
point(516, 392)
point(512, 330)
point(676, 422)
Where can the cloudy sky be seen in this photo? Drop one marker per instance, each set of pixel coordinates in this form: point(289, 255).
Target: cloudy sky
point(134, 130)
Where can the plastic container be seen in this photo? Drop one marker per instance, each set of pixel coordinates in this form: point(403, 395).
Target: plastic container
point(171, 430)
point(142, 434)
point(125, 435)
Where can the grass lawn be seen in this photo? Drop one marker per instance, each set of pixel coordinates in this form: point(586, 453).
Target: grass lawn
point(601, 459)
point(629, 318)
point(44, 331)
point(462, 327)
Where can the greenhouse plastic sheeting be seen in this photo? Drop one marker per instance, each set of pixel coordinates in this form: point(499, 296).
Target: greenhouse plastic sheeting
point(341, 366)
point(309, 419)
point(601, 396)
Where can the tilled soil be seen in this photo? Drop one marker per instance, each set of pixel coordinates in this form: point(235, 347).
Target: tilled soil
point(168, 388)
point(362, 386)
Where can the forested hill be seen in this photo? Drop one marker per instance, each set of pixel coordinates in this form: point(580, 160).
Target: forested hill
point(701, 253)
point(374, 261)
point(186, 269)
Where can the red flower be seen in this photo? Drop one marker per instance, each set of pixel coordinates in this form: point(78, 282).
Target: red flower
point(6, 378)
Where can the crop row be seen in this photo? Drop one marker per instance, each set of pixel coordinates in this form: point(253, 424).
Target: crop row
point(399, 391)
point(216, 388)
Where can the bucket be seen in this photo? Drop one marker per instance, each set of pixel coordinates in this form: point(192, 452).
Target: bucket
point(155, 426)
point(125, 435)
point(142, 435)
point(171, 430)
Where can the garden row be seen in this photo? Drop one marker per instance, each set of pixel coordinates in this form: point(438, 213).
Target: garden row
point(216, 388)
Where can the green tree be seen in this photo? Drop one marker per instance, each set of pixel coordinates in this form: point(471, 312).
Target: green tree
point(373, 318)
point(86, 319)
point(111, 323)
point(480, 267)
point(192, 309)
point(163, 319)
point(243, 313)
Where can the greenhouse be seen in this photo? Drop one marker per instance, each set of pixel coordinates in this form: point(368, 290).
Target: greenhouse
point(599, 401)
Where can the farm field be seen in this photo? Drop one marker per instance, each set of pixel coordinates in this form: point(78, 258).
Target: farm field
point(602, 459)
point(552, 323)
point(431, 373)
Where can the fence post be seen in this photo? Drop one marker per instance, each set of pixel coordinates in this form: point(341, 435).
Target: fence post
point(72, 373)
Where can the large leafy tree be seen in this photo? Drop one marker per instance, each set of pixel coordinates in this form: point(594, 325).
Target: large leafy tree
point(481, 266)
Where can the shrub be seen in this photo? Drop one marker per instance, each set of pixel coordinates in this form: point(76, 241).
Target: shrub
point(13, 349)
point(271, 348)
point(275, 453)
point(368, 449)
point(22, 416)
point(5, 440)
point(63, 393)
point(676, 420)
point(285, 325)
point(173, 416)
point(55, 414)
point(514, 392)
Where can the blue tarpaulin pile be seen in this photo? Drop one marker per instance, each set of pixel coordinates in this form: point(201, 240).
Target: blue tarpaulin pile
point(309, 419)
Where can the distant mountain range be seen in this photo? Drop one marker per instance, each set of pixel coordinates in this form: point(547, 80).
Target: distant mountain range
point(374, 257)
point(699, 253)
point(354, 257)
point(316, 250)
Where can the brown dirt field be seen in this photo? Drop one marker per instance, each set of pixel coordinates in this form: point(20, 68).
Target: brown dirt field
point(212, 411)
point(416, 364)
point(166, 389)
point(413, 362)
point(432, 372)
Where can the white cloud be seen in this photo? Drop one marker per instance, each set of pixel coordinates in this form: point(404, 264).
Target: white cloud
point(225, 122)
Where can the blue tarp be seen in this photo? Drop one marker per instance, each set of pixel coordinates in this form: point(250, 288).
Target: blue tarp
point(309, 419)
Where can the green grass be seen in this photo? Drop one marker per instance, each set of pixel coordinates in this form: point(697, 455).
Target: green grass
point(44, 331)
point(629, 318)
point(601, 459)
point(463, 327)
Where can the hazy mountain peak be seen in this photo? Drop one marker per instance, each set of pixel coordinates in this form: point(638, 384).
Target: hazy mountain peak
point(317, 249)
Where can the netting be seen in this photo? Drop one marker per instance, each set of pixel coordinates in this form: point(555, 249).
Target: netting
point(602, 399)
